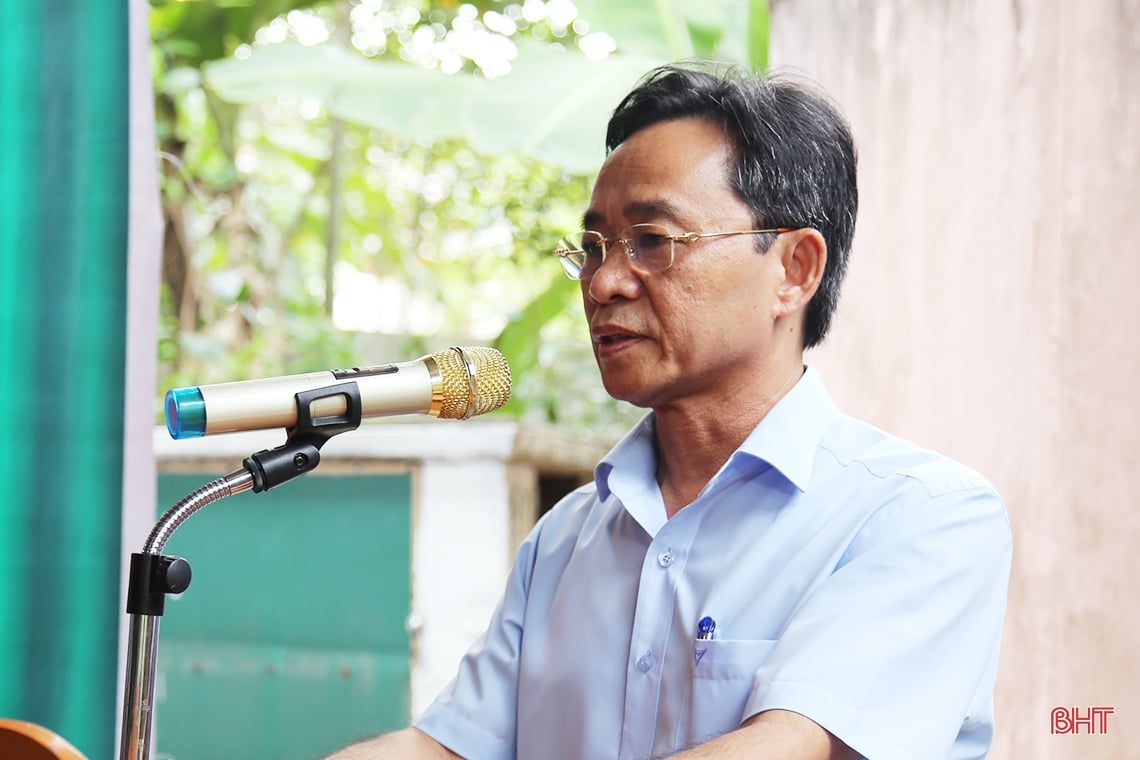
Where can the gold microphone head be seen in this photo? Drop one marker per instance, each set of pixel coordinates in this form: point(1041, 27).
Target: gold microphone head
point(474, 380)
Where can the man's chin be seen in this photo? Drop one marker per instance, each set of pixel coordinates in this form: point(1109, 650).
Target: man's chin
point(631, 393)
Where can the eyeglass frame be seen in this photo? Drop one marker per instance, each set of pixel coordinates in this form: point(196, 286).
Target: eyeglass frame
point(626, 239)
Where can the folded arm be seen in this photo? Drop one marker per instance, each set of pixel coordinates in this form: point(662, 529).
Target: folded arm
point(773, 735)
point(409, 744)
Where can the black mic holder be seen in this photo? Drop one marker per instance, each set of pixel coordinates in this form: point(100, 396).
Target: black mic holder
point(153, 575)
point(301, 451)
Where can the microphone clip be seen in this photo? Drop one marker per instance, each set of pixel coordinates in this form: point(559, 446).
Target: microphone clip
point(301, 451)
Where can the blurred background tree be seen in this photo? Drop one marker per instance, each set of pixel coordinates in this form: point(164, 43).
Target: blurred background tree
point(354, 182)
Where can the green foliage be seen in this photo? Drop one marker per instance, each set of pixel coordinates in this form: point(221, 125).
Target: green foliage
point(440, 194)
point(198, 31)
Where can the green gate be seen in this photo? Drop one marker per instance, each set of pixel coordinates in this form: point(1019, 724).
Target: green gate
point(291, 639)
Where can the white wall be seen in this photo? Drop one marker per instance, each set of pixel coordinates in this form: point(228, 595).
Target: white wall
point(991, 310)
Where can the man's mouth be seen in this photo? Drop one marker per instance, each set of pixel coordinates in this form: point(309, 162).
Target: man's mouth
point(612, 337)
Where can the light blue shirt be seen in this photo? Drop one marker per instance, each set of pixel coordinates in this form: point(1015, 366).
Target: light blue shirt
point(853, 578)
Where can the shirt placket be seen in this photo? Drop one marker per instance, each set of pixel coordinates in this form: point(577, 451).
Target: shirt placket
point(649, 643)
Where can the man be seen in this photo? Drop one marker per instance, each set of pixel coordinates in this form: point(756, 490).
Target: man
point(752, 574)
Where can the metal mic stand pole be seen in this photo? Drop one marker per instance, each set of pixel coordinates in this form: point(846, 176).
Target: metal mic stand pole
point(153, 575)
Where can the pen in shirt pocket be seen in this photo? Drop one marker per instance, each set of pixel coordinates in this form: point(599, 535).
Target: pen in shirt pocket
point(706, 631)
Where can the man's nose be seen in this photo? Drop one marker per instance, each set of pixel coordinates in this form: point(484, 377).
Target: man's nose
point(616, 276)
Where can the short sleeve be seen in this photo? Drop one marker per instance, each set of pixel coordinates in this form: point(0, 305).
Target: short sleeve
point(890, 650)
point(475, 715)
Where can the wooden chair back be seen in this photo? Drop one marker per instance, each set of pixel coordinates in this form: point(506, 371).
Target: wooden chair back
point(21, 740)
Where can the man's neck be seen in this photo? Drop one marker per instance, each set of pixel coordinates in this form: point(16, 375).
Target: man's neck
point(694, 440)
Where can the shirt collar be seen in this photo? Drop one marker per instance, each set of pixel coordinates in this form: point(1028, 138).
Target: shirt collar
point(786, 438)
point(635, 449)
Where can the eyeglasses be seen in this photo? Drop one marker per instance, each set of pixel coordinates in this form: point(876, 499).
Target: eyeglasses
point(650, 248)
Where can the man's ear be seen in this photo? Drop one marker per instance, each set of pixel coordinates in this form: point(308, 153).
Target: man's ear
point(803, 255)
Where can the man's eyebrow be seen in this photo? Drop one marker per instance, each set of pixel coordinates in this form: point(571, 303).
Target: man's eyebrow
point(653, 209)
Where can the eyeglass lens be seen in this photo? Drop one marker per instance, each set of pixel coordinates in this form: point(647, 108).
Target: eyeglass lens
point(648, 245)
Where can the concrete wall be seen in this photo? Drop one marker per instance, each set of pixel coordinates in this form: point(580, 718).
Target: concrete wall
point(991, 310)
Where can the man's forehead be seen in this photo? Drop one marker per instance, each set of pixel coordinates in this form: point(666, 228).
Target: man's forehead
point(660, 175)
point(647, 208)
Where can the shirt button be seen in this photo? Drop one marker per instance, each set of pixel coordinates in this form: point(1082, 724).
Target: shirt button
point(666, 558)
point(646, 662)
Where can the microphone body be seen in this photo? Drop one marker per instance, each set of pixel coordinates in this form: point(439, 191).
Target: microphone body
point(454, 384)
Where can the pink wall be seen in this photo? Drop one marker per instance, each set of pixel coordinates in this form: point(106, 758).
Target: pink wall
point(991, 308)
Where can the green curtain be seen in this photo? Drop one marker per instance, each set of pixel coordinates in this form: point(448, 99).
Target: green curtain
point(64, 139)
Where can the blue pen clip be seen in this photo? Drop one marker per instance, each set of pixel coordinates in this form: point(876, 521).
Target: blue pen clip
point(706, 629)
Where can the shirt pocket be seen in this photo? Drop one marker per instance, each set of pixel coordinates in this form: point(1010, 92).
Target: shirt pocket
point(722, 675)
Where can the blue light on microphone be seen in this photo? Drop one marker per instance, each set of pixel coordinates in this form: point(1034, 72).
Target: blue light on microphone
point(185, 413)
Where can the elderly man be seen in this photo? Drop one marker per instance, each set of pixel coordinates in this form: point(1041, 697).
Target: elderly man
point(751, 574)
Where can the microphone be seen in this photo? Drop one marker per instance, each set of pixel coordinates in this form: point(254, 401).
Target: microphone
point(454, 384)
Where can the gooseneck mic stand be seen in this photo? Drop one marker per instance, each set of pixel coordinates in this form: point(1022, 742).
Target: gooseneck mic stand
point(153, 575)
